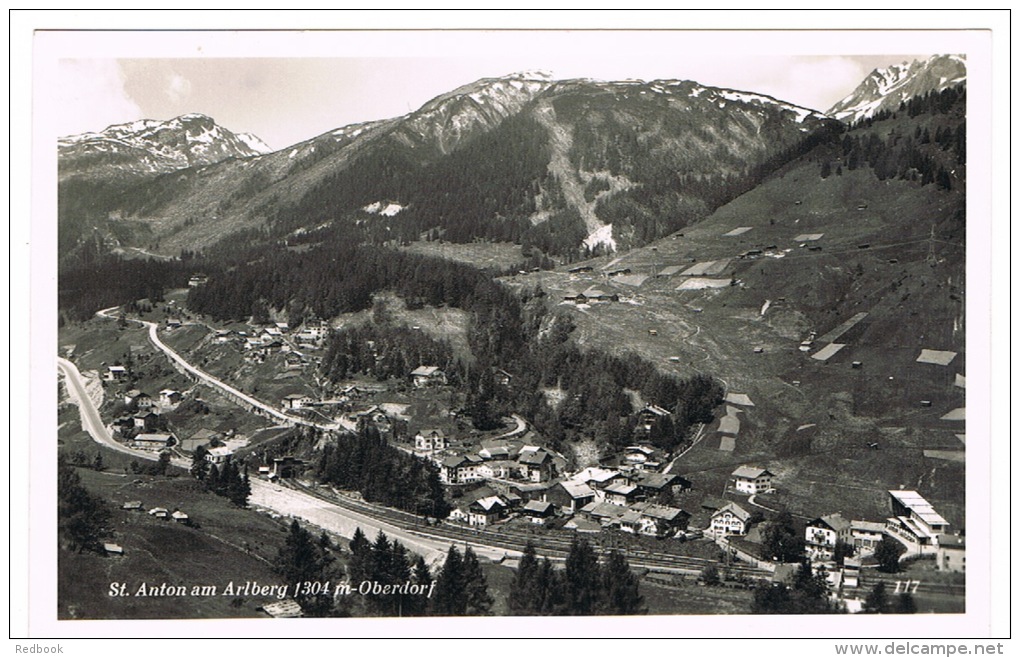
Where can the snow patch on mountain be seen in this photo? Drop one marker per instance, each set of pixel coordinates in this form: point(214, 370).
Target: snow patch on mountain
point(387, 209)
point(254, 143)
point(148, 145)
point(602, 235)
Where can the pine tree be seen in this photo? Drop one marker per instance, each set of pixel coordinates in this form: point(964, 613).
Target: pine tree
point(360, 565)
point(212, 479)
point(620, 589)
point(553, 589)
point(381, 572)
point(298, 560)
point(476, 589)
point(583, 579)
point(97, 463)
point(199, 464)
point(525, 596)
point(162, 464)
point(450, 598)
point(421, 576)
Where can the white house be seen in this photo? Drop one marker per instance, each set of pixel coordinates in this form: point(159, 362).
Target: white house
point(753, 480)
point(138, 398)
point(821, 535)
point(535, 463)
point(169, 397)
point(466, 469)
point(660, 520)
point(296, 401)
point(485, 511)
point(431, 440)
point(866, 535)
point(621, 494)
point(599, 478)
point(730, 519)
point(116, 373)
point(218, 455)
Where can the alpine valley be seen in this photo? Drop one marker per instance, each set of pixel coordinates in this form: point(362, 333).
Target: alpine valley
point(737, 323)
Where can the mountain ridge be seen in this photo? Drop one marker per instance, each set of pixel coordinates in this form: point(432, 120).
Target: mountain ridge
point(151, 146)
point(625, 151)
point(884, 89)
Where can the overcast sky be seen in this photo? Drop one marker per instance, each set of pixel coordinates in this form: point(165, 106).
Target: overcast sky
point(287, 99)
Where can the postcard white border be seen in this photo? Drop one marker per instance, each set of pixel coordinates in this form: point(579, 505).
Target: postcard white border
point(32, 254)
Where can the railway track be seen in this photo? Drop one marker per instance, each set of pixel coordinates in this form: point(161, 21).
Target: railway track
point(554, 548)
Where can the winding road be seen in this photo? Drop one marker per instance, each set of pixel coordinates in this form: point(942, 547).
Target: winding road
point(265, 495)
point(223, 386)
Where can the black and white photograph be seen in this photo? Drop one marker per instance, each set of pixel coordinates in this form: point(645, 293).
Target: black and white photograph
point(549, 332)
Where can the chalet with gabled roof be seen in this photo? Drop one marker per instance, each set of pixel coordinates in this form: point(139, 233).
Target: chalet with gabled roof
point(296, 401)
point(431, 440)
point(569, 496)
point(538, 512)
point(219, 455)
point(656, 484)
point(753, 480)
point(168, 397)
point(660, 520)
point(424, 376)
point(485, 511)
point(146, 420)
point(139, 399)
point(731, 519)
point(536, 463)
point(822, 533)
point(621, 494)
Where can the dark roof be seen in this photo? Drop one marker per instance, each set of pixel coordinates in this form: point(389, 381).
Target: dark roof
point(535, 458)
point(833, 521)
point(537, 506)
point(658, 480)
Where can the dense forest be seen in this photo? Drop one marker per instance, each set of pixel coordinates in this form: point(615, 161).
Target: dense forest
point(934, 151)
point(95, 279)
point(365, 462)
point(383, 351)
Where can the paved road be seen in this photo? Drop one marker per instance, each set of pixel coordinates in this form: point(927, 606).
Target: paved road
point(91, 421)
point(343, 522)
point(266, 495)
point(227, 388)
point(521, 426)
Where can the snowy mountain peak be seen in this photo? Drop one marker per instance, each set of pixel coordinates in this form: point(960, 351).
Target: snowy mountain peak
point(148, 146)
point(885, 89)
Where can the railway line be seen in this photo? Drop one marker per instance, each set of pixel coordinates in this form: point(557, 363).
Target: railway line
point(514, 542)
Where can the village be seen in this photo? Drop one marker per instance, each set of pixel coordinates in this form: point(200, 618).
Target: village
point(510, 478)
